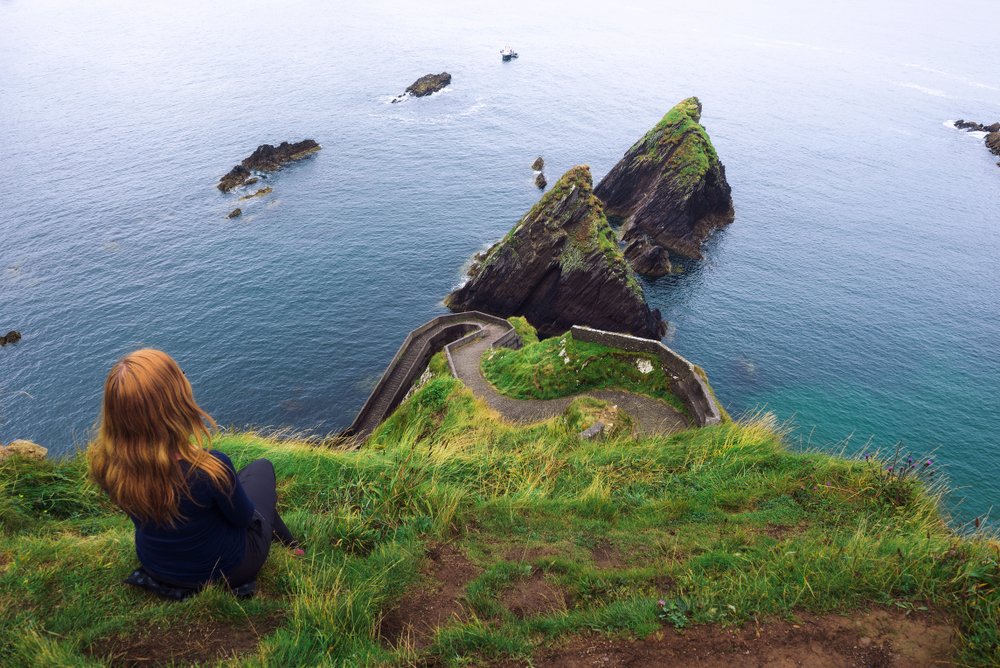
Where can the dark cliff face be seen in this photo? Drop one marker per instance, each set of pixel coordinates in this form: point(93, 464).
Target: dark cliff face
point(266, 158)
point(669, 189)
point(561, 266)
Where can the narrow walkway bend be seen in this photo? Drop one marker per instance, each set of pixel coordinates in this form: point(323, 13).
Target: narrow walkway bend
point(651, 416)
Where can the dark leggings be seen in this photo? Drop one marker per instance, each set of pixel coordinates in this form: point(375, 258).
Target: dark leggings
point(258, 481)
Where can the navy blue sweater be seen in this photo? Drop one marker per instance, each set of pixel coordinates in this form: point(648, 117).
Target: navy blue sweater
point(208, 540)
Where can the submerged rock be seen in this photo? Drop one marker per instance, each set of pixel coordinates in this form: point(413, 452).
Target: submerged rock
point(561, 266)
point(538, 165)
point(235, 213)
point(266, 158)
point(425, 85)
point(540, 181)
point(23, 448)
point(260, 193)
point(13, 336)
point(670, 186)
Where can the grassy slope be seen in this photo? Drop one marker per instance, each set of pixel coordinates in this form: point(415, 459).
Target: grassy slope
point(723, 521)
point(562, 366)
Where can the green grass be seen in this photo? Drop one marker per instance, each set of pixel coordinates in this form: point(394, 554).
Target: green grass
point(563, 366)
point(693, 518)
point(680, 135)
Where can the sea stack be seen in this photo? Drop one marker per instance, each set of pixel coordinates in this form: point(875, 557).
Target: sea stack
point(669, 190)
point(266, 158)
point(561, 266)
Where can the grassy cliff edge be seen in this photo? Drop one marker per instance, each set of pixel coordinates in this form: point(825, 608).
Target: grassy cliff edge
point(433, 543)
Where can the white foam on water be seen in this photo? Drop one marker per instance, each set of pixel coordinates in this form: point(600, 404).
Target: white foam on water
point(923, 89)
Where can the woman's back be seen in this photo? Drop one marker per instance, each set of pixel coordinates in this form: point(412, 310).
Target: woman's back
point(209, 539)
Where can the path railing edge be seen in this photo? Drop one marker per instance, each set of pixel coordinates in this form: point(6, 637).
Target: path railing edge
point(688, 384)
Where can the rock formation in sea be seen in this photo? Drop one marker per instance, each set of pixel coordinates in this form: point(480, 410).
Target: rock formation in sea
point(425, 85)
point(561, 266)
point(538, 165)
point(669, 190)
point(266, 158)
point(235, 213)
point(13, 336)
point(540, 180)
point(992, 139)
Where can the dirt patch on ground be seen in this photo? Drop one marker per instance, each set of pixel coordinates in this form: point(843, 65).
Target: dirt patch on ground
point(875, 639)
point(533, 596)
point(432, 603)
point(185, 644)
point(606, 555)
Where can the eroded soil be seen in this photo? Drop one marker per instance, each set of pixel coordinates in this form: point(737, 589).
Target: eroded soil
point(875, 639)
point(185, 644)
point(433, 603)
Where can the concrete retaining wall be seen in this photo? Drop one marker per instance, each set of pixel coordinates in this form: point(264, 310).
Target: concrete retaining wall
point(688, 385)
point(410, 361)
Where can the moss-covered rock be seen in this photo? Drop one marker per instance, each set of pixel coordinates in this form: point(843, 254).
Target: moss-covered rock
point(561, 266)
point(670, 187)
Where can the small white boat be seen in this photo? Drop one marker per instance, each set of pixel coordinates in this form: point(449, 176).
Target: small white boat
point(507, 53)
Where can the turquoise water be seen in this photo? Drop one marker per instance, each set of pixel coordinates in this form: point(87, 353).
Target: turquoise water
point(855, 296)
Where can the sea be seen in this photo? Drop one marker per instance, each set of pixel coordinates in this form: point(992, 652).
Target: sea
point(856, 296)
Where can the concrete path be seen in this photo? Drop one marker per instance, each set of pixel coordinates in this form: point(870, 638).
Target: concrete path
point(651, 416)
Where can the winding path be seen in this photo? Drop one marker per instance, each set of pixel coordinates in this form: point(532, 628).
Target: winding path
point(651, 416)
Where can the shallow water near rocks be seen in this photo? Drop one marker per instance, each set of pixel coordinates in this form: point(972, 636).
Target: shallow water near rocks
point(855, 295)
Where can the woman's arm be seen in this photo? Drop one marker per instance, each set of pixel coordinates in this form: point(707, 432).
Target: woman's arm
point(236, 507)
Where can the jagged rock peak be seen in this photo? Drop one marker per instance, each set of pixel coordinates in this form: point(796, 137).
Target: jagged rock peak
point(670, 186)
point(561, 266)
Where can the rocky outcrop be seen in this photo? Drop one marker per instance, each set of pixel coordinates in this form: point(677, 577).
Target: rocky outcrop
point(23, 448)
point(540, 181)
point(670, 187)
point(646, 257)
point(266, 158)
point(538, 165)
point(13, 336)
point(992, 139)
point(235, 213)
point(561, 266)
point(425, 85)
point(972, 126)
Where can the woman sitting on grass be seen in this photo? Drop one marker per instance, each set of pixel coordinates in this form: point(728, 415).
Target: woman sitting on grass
point(196, 520)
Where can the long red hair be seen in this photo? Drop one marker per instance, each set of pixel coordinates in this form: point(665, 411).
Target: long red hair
point(149, 423)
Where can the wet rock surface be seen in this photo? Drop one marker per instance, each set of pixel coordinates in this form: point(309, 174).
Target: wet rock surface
point(561, 266)
point(266, 158)
point(13, 336)
point(670, 186)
